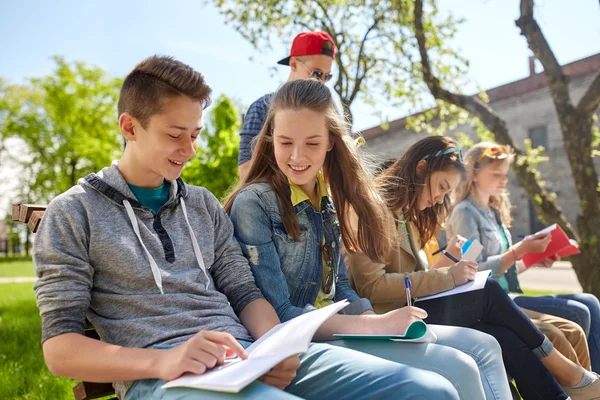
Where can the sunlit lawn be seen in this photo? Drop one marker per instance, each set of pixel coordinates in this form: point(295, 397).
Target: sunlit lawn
point(16, 268)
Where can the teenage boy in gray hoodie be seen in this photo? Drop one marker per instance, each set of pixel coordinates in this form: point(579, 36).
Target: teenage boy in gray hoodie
point(153, 264)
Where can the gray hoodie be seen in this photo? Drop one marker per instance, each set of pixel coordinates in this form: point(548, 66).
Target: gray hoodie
point(141, 278)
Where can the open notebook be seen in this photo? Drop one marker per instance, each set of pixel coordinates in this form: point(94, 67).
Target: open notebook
point(281, 342)
point(476, 284)
point(417, 332)
point(560, 245)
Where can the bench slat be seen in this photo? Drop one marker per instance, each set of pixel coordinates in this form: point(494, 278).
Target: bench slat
point(34, 220)
point(92, 390)
point(28, 209)
point(16, 212)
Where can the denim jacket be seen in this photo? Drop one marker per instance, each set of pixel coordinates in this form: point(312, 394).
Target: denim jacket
point(472, 222)
point(289, 272)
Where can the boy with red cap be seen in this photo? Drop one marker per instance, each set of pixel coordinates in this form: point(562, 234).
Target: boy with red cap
point(311, 56)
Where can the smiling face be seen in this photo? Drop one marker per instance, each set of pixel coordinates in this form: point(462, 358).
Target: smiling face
point(161, 149)
point(437, 187)
point(491, 178)
point(301, 142)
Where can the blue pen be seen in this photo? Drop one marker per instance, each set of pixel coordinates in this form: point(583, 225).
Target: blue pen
point(408, 288)
point(521, 236)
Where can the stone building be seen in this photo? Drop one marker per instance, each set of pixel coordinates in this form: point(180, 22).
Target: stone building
point(526, 106)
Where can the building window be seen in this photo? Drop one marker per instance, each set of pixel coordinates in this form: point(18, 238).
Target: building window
point(539, 137)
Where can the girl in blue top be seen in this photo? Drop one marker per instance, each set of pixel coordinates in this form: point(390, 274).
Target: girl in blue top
point(289, 213)
point(482, 212)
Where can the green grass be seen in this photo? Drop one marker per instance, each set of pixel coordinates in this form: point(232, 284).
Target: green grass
point(16, 268)
point(23, 373)
point(541, 292)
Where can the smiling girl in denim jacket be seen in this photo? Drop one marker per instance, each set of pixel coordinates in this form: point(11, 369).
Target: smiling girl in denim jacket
point(289, 214)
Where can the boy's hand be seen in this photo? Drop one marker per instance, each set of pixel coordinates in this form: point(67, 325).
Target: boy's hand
point(202, 352)
point(464, 271)
point(283, 373)
point(396, 322)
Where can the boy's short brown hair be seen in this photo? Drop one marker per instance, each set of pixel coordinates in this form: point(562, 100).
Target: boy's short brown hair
point(156, 79)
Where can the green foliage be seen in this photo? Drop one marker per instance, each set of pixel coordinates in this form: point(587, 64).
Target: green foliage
point(377, 61)
point(215, 164)
point(444, 119)
point(65, 124)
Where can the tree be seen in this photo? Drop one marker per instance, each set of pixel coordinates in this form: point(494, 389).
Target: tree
point(580, 137)
point(215, 164)
point(374, 39)
point(66, 124)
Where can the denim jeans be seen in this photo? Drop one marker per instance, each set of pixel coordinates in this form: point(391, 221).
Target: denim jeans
point(326, 372)
point(490, 310)
point(463, 356)
point(582, 308)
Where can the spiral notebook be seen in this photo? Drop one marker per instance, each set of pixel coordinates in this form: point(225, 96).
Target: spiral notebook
point(417, 332)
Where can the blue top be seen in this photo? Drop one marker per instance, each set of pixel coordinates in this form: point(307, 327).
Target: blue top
point(290, 272)
point(473, 222)
point(253, 122)
point(152, 198)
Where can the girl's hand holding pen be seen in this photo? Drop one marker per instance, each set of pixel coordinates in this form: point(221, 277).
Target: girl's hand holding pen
point(463, 272)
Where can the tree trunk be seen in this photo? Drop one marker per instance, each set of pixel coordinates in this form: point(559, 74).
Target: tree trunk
point(579, 130)
point(27, 235)
point(73, 172)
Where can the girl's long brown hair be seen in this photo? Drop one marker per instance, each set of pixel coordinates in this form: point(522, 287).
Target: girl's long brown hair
point(472, 164)
point(401, 186)
point(350, 185)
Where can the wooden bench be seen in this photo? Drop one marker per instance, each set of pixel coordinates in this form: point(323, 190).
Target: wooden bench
point(31, 214)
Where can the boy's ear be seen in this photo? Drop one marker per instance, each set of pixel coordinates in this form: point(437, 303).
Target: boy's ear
point(126, 125)
point(293, 64)
point(421, 167)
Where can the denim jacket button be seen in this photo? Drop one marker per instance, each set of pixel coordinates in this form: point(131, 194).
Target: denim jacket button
point(333, 245)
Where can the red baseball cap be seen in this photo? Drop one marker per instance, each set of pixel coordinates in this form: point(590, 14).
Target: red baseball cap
point(310, 43)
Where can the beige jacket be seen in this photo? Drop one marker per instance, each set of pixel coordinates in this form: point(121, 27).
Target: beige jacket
point(383, 284)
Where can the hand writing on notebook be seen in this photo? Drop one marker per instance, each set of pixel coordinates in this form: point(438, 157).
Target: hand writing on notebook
point(396, 322)
point(283, 373)
point(464, 271)
point(202, 352)
point(533, 244)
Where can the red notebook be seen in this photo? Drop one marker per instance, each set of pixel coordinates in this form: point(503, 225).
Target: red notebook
point(560, 245)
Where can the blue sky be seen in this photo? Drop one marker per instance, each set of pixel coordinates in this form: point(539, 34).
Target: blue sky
point(115, 35)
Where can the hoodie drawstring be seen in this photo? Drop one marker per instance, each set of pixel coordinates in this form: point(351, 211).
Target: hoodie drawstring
point(197, 252)
point(136, 228)
point(153, 265)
